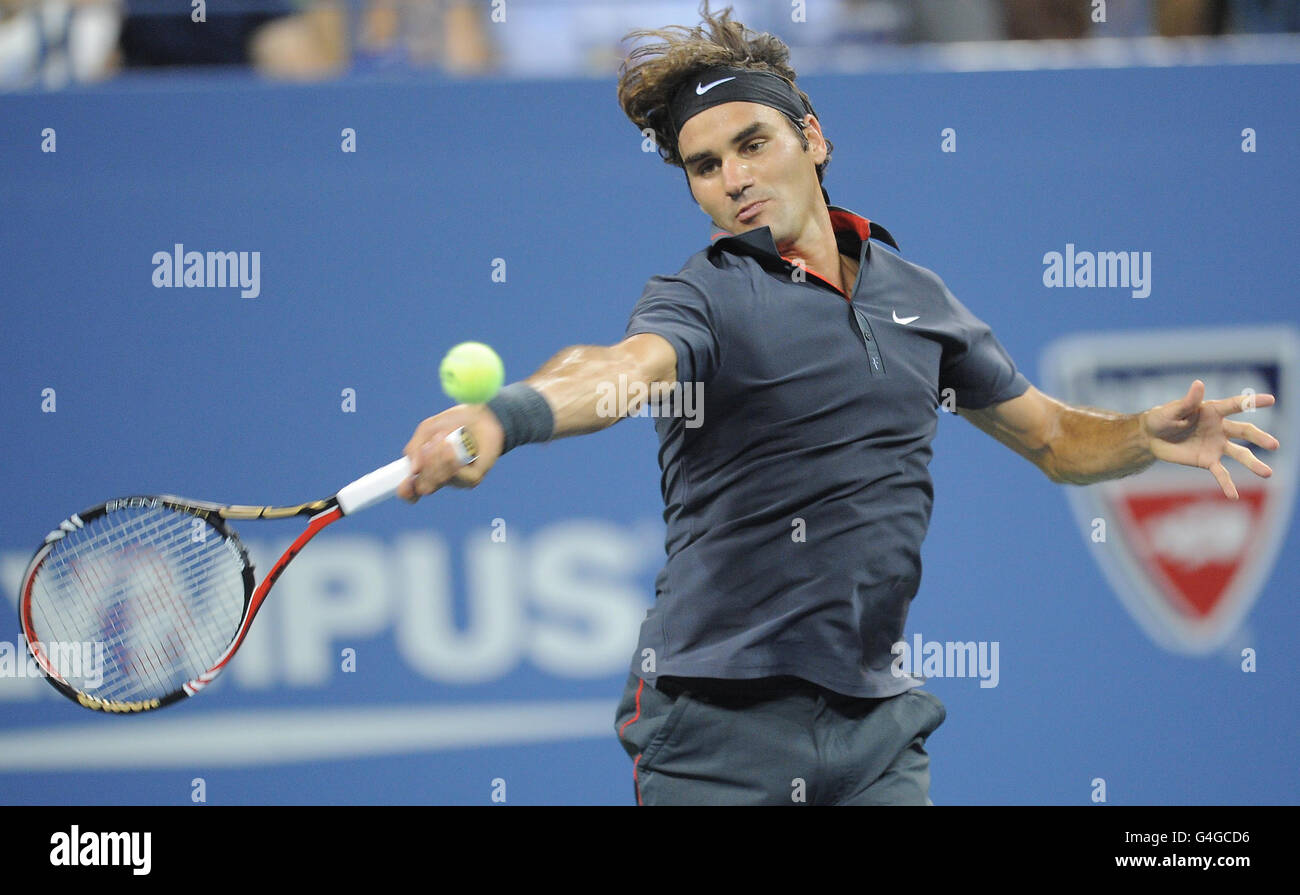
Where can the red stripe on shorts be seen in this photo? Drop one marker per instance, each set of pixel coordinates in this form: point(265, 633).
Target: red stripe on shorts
point(635, 782)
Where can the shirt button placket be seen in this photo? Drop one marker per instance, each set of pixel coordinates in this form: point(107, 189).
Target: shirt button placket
point(863, 327)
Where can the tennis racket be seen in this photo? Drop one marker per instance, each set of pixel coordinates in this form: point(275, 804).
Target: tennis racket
point(157, 593)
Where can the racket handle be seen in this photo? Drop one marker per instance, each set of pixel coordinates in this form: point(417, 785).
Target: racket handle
point(374, 487)
point(378, 486)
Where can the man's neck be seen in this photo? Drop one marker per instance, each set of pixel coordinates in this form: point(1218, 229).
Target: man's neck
point(815, 248)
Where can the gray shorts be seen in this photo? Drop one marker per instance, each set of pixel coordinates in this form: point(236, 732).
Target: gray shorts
point(774, 741)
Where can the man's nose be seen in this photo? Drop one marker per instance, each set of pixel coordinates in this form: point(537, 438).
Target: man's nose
point(736, 176)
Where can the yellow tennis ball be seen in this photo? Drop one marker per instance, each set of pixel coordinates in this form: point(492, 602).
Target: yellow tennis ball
point(471, 373)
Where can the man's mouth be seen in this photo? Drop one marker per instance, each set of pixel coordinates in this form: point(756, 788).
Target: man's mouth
point(751, 211)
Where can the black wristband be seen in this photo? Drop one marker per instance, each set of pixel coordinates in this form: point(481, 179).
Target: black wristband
point(524, 414)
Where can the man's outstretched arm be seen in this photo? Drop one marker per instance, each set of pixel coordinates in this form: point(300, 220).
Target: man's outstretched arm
point(571, 385)
point(1082, 445)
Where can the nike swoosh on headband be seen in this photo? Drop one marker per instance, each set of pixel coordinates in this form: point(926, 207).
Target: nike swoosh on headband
point(701, 89)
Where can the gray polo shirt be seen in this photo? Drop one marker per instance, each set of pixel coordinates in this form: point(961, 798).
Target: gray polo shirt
point(796, 510)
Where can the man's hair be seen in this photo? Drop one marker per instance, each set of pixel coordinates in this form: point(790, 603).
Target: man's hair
point(653, 72)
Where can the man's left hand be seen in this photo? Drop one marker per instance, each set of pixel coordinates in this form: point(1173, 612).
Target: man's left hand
point(1195, 432)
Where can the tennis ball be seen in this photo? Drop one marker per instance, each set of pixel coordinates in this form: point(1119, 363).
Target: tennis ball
point(471, 373)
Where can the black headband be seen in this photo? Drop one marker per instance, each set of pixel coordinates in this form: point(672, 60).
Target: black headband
point(715, 86)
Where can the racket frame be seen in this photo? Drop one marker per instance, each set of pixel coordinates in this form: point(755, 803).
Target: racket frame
point(322, 513)
point(372, 488)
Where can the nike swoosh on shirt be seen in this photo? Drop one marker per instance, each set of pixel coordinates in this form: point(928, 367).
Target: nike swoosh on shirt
point(701, 89)
point(905, 320)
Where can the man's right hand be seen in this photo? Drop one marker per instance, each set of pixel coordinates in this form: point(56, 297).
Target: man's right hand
point(434, 462)
point(570, 382)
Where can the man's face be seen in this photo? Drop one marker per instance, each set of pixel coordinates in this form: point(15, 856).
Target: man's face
point(747, 168)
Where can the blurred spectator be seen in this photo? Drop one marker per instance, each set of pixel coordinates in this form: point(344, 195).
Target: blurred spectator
point(554, 38)
point(155, 34)
point(1262, 16)
point(921, 21)
point(327, 37)
point(51, 43)
point(449, 34)
point(1047, 19)
point(308, 46)
point(1184, 18)
point(1124, 18)
point(943, 21)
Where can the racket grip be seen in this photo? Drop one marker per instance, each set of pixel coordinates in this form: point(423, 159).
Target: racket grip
point(378, 486)
point(374, 487)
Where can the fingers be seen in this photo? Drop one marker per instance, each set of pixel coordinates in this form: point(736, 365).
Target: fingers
point(1168, 420)
point(434, 460)
point(409, 490)
point(438, 462)
point(1225, 480)
point(1248, 460)
point(423, 432)
point(1252, 433)
point(1242, 403)
point(406, 490)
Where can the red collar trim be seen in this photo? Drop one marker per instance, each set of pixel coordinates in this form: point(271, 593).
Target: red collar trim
point(847, 220)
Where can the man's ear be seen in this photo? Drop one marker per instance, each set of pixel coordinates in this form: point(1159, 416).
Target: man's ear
point(811, 124)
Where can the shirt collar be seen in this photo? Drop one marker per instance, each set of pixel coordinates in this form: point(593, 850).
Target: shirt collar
point(851, 231)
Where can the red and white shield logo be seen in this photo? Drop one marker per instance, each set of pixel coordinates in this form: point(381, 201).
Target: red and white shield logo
point(1187, 562)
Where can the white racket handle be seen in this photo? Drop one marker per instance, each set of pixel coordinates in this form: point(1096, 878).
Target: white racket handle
point(380, 485)
point(374, 487)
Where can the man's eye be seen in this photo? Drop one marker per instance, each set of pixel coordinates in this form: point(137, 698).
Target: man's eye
point(755, 146)
point(704, 168)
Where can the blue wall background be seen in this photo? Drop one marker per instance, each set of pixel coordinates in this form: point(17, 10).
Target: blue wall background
point(373, 263)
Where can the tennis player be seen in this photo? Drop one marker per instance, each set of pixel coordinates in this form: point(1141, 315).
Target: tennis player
point(795, 512)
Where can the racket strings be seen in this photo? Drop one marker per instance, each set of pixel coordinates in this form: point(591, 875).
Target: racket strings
point(94, 571)
point(138, 640)
point(187, 558)
point(137, 617)
point(152, 598)
point(94, 565)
